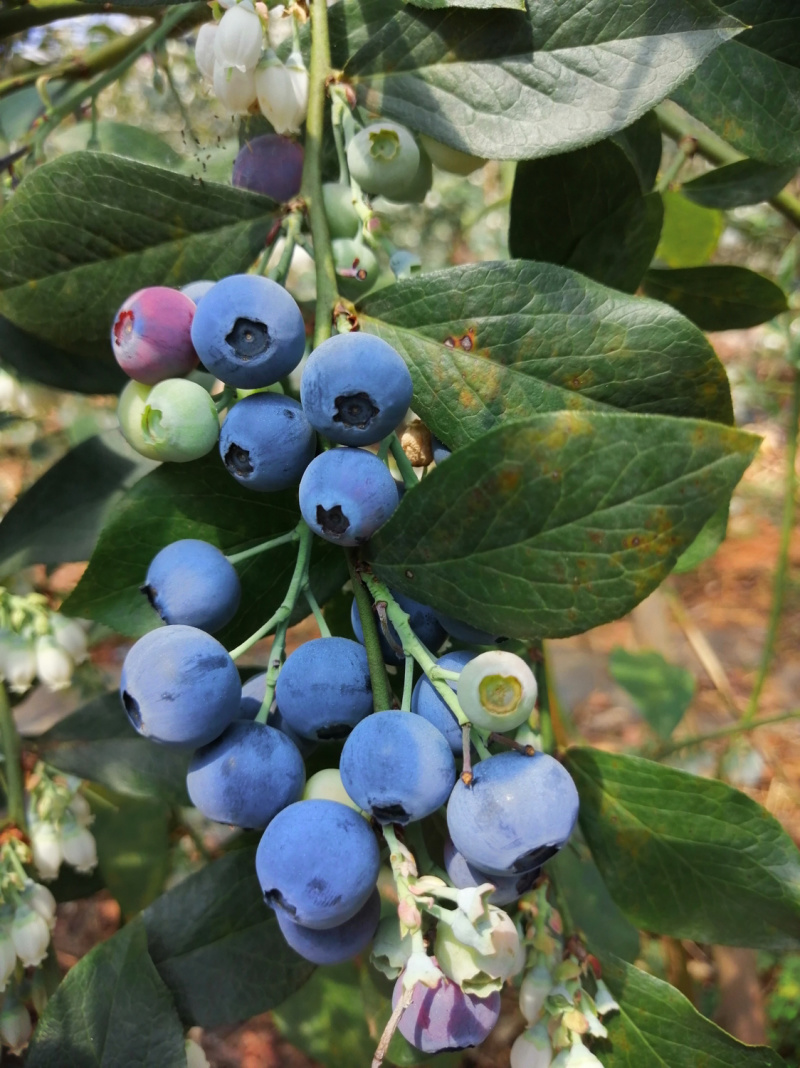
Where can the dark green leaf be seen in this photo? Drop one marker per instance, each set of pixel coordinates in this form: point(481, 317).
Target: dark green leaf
point(511, 85)
point(197, 500)
point(111, 1011)
point(516, 5)
point(661, 691)
point(738, 184)
point(98, 743)
point(719, 297)
point(659, 1028)
point(555, 524)
point(219, 948)
point(132, 848)
point(59, 517)
point(641, 143)
point(686, 856)
point(33, 358)
point(82, 233)
point(749, 90)
point(495, 341)
point(690, 234)
point(706, 543)
point(586, 210)
point(118, 139)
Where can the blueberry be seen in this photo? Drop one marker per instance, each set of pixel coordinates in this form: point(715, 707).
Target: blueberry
point(355, 389)
point(346, 494)
point(179, 421)
point(248, 331)
point(318, 863)
point(192, 582)
point(398, 767)
point(384, 159)
point(151, 335)
point(508, 887)
point(517, 812)
point(417, 189)
point(246, 776)
point(266, 442)
point(497, 691)
point(421, 618)
point(440, 451)
point(250, 705)
point(271, 165)
point(356, 267)
point(426, 702)
point(343, 220)
point(445, 1018)
point(336, 944)
point(466, 633)
point(179, 686)
point(197, 290)
point(323, 689)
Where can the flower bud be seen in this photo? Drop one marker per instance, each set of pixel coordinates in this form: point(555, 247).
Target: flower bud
point(70, 635)
point(533, 992)
point(79, 847)
point(603, 1000)
point(532, 1049)
point(30, 935)
point(79, 807)
point(8, 955)
point(15, 1025)
point(299, 81)
point(53, 665)
point(283, 91)
point(46, 849)
point(577, 1056)
point(204, 52)
point(195, 1056)
point(234, 89)
point(484, 964)
point(41, 901)
point(18, 657)
point(238, 39)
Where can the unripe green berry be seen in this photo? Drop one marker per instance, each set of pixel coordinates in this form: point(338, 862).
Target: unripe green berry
point(450, 159)
point(343, 220)
point(180, 421)
point(130, 412)
point(357, 267)
point(384, 159)
point(497, 691)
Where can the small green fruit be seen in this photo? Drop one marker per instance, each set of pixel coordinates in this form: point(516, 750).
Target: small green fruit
point(357, 268)
point(130, 411)
point(343, 220)
point(450, 159)
point(384, 159)
point(180, 421)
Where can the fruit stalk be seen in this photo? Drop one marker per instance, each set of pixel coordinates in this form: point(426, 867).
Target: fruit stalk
point(12, 764)
point(381, 690)
point(275, 661)
point(264, 547)
point(404, 465)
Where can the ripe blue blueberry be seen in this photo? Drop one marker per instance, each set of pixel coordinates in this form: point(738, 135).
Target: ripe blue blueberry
point(422, 620)
point(250, 705)
point(323, 689)
point(336, 944)
point(398, 767)
point(266, 442)
point(271, 165)
point(445, 1018)
point(179, 686)
point(192, 582)
point(426, 702)
point(248, 331)
point(346, 494)
point(355, 389)
point(197, 290)
point(246, 776)
point(466, 633)
point(508, 888)
point(151, 335)
point(517, 812)
point(440, 451)
point(317, 863)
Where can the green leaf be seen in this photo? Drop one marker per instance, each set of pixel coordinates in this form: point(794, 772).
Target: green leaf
point(218, 947)
point(641, 143)
point(749, 90)
point(685, 856)
point(52, 366)
point(738, 184)
point(706, 543)
point(661, 691)
point(690, 234)
point(497, 341)
point(118, 139)
point(98, 743)
point(555, 524)
point(132, 848)
point(514, 85)
point(586, 210)
point(84, 232)
point(111, 1010)
point(197, 500)
point(59, 517)
point(658, 1027)
point(516, 5)
point(718, 297)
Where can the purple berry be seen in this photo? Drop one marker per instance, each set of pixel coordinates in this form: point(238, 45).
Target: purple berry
point(151, 336)
point(271, 165)
point(445, 1018)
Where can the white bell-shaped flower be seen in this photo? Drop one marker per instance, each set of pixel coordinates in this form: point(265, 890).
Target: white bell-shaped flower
point(577, 1056)
point(481, 959)
point(46, 849)
point(54, 665)
point(239, 38)
point(15, 1025)
point(234, 90)
point(18, 658)
point(81, 810)
point(299, 79)
point(204, 53)
point(279, 27)
point(30, 935)
point(195, 1056)
point(532, 1049)
point(8, 955)
point(534, 990)
point(78, 846)
point(70, 635)
point(282, 92)
point(42, 901)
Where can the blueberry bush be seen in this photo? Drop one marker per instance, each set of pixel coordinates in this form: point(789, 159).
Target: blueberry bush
point(443, 469)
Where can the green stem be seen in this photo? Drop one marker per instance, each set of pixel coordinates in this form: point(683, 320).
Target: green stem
point(382, 697)
point(400, 858)
point(224, 399)
point(280, 271)
point(28, 15)
point(408, 683)
point(311, 188)
point(480, 744)
point(720, 732)
point(545, 721)
point(782, 565)
point(13, 764)
point(404, 465)
point(313, 604)
point(677, 125)
point(687, 147)
point(298, 580)
point(275, 663)
point(264, 546)
point(338, 109)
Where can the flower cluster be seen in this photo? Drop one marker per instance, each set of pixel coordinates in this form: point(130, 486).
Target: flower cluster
point(59, 818)
point(35, 641)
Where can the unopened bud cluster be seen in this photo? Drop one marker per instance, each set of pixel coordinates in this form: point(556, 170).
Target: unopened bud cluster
point(36, 642)
point(58, 820)
point(240, 60)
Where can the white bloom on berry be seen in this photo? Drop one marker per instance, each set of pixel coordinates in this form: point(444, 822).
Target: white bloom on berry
point(8, 955)
point(15, 1025)
point(235, 90)
point(46, 849)
point(42, 901)
point(30, 935)
point(54, 666)
point(70, 635)
point(78, 846)
point(239, 38)
point(204, 53)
